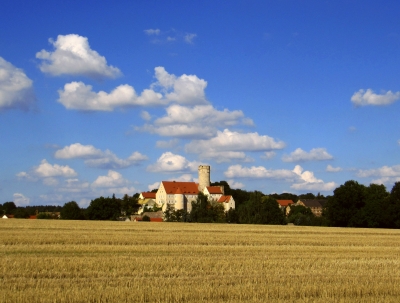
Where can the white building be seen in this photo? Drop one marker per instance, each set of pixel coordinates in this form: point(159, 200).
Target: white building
point(180, 195)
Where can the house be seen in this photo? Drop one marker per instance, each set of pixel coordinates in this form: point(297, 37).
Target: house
point(284, 205)
point(314, 204)
point(146, 200)
point(155, 216)
point(227, 202)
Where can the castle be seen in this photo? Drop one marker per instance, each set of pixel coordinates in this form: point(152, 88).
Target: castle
point(180, 195)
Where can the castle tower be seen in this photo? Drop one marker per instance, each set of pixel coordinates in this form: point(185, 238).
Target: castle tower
point(204, 176)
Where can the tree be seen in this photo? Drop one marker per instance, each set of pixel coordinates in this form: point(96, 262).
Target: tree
point(9, 207)
point(103, 209)
point(260, 210)
point(394, 206)
point(21, 212)
point(205, 211)
point(343, 207)
point(71, 211)
point(375, 212)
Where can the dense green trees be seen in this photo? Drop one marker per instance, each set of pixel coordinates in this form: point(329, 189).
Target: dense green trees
point(9, 207)
point(206, 211)
point(103, 209)
point(71, 211)
point(260, 209)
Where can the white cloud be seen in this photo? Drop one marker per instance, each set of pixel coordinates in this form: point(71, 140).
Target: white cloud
point(268, 155)
point(200, 121)
point(151, 31)
point(113, 183)
point(302, 180)
point(398, 142)
point(332, 169)
point(145, 115)
point(235, 185)
point(20, 199)
point(299, 155)
point(169, 162)
point(16, 89)
point(186, 89)
point(97, 158)
point(309, 182)
point(78, 150)
point(368, 97)
point(190, 37)
point(72, 55)
point(113, 179)
point(77, 95)
point(155, 185)
point(228, 145)
point(258, 172)
point(385, 174)
point(45, 170)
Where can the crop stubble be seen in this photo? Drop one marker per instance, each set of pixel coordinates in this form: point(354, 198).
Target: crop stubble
point(86, 261)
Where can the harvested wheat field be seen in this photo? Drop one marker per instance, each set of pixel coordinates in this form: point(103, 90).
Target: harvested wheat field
point(86, 261)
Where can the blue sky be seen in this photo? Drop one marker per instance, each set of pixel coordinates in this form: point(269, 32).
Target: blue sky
point(277, 96)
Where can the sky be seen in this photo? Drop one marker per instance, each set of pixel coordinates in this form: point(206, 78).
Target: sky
point(112, 97)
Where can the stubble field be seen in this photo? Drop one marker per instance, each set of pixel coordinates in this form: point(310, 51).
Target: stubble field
point(86, 261)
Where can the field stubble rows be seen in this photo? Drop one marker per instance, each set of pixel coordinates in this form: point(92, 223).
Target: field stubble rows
point(86, 261)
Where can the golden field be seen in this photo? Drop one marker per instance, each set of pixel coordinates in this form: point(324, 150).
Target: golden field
point(86, 261)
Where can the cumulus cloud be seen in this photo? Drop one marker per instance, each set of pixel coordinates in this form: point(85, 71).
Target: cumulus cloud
point(234, 184)
point(113, 183)
point(169, 162)
point(384, 174)
point(151, 31)
point(232, 145)
point(186, 89)
point(299, 155)
point(145, 115)
point(302, 180)
point(268, 155)
point(309, 182)
point(332, 169)
point(368, 97)
point(20, 200)
point(155, 185)
point(72, 55)
point(97, 158)
point(16, 90)
point(190, 37)
point(200, 121)
point(45, 169)
point(77, 95)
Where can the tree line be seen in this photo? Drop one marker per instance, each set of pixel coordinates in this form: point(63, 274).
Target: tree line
point(351, 205)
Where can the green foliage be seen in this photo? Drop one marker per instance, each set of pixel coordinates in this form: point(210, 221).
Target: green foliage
point(172, 215)
point(205, 211)
point(260, 210)
point(71, 211)
point(21, 212)
point(103, 209)
point(129, 205)
point(9, 207)
point(146, 218)
point(47, 216)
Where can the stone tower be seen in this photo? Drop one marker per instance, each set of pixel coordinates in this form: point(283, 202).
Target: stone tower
point(204, 176)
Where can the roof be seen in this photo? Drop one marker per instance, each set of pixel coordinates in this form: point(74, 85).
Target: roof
point(151, 219)
point(186, 187)
point(33, 217)
point(224, 199)
point(284, 202)
point(312, 202)
point(149, 195)
point(214, 190)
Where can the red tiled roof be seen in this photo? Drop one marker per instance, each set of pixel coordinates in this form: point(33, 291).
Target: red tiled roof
point(151, 219)
point(33, 217)
point(186, 187)
point(214, 189)
point(284, 202)
point(224, 199)
point(149, 195)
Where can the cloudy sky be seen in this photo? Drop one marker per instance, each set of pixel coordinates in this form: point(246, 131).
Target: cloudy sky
point(279, 96)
